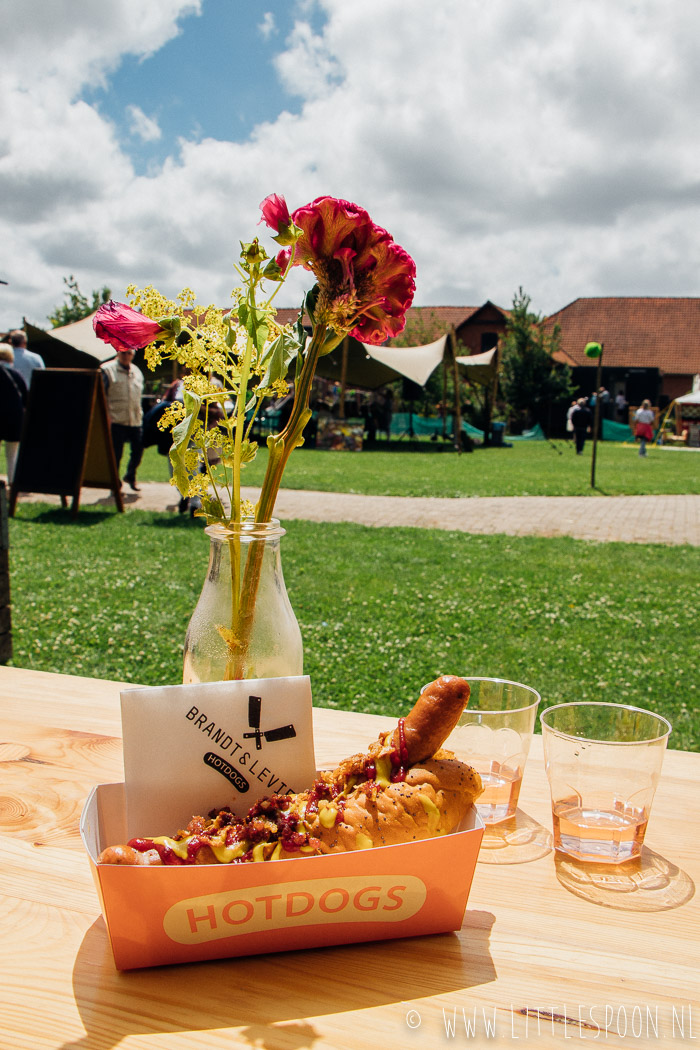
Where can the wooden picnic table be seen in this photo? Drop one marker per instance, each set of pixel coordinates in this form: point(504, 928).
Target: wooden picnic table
point(549, 950)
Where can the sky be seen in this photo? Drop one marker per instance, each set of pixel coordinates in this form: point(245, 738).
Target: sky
point(548, 145)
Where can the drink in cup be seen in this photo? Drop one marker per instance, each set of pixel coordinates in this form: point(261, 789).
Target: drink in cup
point(603, 764)
point(493, 735)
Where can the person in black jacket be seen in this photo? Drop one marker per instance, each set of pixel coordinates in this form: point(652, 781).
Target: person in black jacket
point(13, 397)
point(582, 419)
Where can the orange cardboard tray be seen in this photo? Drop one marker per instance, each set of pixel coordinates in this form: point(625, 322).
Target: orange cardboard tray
point(162, 915)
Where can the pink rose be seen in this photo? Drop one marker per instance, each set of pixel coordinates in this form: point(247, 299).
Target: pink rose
point(124, 328)
point(366, 281)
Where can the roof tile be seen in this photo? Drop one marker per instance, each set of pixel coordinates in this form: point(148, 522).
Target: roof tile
point(636, 331)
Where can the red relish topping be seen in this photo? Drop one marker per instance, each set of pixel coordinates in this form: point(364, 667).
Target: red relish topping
point(320, 790)
point(265, 823)
point(269, 806)
point(400, 756)
point(371, 770)
point(166, 854)
point(193, 848)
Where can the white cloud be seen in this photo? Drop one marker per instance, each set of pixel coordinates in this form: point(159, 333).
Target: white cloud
point(145, 128)
point(551, 144)
point(268, 26)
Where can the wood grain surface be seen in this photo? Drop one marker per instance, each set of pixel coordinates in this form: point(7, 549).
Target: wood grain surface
point(549, 950)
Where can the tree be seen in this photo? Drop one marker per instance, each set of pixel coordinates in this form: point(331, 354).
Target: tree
point(532, 382)
point(78, 305)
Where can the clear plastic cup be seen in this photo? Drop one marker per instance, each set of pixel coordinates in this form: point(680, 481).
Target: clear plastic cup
point(603, 764)
point(493, 735)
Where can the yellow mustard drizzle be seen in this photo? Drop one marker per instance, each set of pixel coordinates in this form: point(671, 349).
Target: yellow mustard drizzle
point(363, 841)
point(383, 767)
point(327, 813)
point(180, 848)
point(225, 854)
point(431, 809)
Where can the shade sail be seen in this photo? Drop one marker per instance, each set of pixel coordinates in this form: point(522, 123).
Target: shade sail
point(361, 369)
point(71, 346)
point(414, 362)
point(480, 368)
point(371, 366)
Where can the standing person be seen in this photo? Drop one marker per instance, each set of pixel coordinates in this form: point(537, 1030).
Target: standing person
point(13, 397)
point(582, 419)
point(569, 413)
point(621, 406)
point(124, 387)
point(26, 361)
point(643, 419)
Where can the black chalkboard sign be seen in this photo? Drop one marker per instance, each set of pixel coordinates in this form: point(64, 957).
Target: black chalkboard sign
point(66, 439)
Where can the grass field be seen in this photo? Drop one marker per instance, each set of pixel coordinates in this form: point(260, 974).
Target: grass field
point(537, 468)
point(381, 610)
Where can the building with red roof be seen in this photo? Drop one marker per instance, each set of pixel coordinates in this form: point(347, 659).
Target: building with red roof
point(651, 344)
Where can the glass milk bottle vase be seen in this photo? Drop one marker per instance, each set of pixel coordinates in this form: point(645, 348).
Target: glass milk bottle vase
point(243, 625)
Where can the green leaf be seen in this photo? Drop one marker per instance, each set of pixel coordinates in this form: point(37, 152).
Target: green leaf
point(254, 320)
point(248, 451)
point(279, 355)
point(182, 434)
point(272, 271)
point(309, 303)
point(212, 509)
point(231, 332)
point(332, 340)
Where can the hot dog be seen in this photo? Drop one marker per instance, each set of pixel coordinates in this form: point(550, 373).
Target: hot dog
point(433, 717)
point(403, 788)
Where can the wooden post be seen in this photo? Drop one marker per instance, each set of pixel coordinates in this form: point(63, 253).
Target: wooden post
point(455, 375)
point(596, 414)
point(343, 378)
point(443, 406)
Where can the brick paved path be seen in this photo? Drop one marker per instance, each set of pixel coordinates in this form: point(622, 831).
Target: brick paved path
point(631, 519)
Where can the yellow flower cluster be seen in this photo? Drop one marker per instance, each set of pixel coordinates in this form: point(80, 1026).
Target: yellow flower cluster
point(224, 383)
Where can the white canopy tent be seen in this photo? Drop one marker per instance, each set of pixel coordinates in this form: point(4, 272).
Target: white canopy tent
point(693, 398)
point(355, 363)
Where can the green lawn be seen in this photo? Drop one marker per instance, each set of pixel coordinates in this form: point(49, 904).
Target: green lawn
point(537, 468)
point(381, 610)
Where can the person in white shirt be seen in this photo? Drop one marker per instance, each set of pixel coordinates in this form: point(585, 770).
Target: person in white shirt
point(26, 361)
point(643, 419)
point(124, 388)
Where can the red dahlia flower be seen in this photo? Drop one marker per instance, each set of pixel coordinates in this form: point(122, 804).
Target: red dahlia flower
point(124, 328)
point(366, 281)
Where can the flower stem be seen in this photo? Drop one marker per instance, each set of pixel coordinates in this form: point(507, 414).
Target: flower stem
point(283, 444)
point(240, 427)
point(281, 447)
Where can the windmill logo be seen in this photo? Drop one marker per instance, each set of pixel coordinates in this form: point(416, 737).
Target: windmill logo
point(258, 734)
